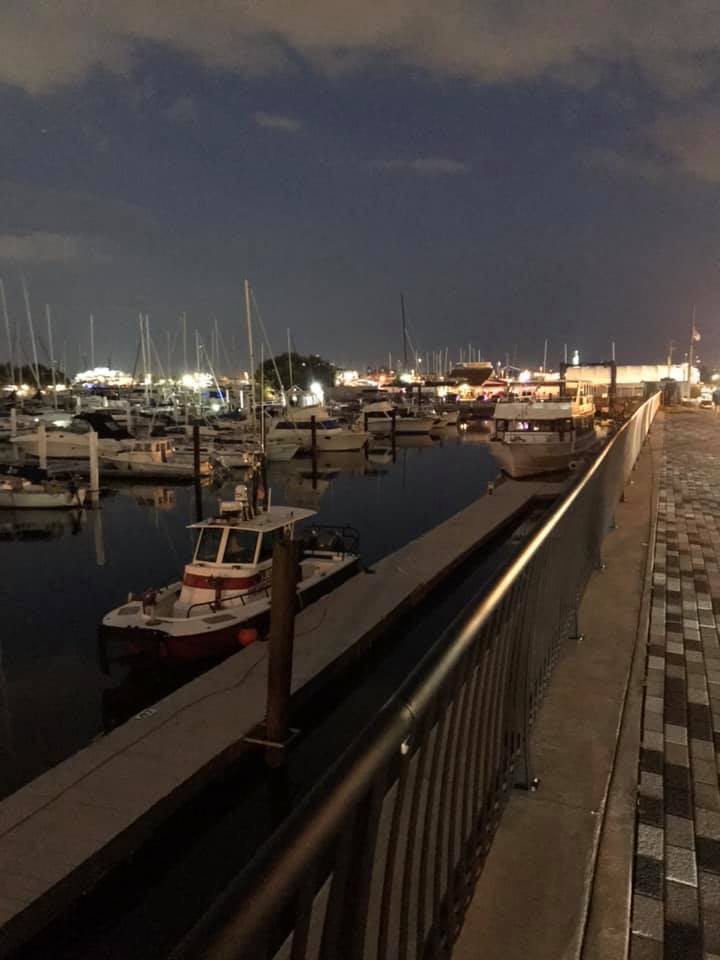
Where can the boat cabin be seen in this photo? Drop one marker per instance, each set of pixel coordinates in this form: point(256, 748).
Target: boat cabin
point(233, 555)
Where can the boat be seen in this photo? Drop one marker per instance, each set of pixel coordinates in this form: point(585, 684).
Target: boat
point(222, 601)
point(152, 458)
point(73, 442)
point(280, 451)
point(330, 434)
point(19, 493)
point(379, 419)
point(544, 434)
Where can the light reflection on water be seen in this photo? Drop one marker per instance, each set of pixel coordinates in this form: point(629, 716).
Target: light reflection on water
point(62, 571)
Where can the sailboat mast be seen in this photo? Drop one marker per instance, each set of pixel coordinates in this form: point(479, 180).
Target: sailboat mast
point(92, 342)
point(184, 330)
point(248, 317)
point(52, 353)
point(262, 395)
point(404, 331)
point(149, 358)
point(36, 368)
point(7, 331)
point(290, 359)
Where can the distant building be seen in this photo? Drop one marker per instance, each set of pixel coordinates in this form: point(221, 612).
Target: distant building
point(474, 374)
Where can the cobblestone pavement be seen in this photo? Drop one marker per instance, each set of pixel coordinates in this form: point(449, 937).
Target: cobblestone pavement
point(676, 897)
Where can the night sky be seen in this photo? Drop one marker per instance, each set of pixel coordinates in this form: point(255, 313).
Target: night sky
point(521, 169)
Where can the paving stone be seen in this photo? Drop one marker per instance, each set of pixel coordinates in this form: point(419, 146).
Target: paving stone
point(677, 754)
point(707, 823)
point(681, 905)
point(680, 865)
point(679, 831)
point(647, 917)
point(642, 948)
point(707, 796)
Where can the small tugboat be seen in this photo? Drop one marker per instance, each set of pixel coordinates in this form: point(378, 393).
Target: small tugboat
point(533, 435)
point(223, 600)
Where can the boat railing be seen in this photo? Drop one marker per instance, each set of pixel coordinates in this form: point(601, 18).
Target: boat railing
point(324, 538)
point(217, 603)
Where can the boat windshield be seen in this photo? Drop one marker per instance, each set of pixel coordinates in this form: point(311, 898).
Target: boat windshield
point(240, 546)
point(208, 544)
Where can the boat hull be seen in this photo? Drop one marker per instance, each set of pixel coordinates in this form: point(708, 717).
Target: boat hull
point(404, 426)
point(520, 459)
point(41, 499)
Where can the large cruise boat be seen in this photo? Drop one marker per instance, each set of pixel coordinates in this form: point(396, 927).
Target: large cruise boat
point(544, 434)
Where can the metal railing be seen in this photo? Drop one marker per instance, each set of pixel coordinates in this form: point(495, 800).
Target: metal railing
point(381, 859)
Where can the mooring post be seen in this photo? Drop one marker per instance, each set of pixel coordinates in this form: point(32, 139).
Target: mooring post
point(393, 431)
point(94, 468)
point(13, 422)
point(282, 631)
point(42, 446)
point(365, 422)
point(313, 450)
point(196, 471)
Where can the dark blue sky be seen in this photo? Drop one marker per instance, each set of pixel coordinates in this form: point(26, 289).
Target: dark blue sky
point(548, 180)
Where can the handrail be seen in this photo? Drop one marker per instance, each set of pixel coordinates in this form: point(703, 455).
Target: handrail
point(400, 825)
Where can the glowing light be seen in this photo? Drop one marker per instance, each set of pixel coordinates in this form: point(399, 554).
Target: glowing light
point(317, 391)
point(196, 381)
point(525, 376)
point(576, 358)
point(406, 378)
point(215, 407)
point(115, 378)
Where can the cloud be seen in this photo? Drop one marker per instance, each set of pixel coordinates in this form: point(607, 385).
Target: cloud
point(686, 143)
point(42, 247)
point(426, 166)
point(675, 44)
point(691, 142)
point(182, 111)
point(276, 121)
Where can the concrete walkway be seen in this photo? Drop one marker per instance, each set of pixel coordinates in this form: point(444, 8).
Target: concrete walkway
point(557, 882)
point(676, 896)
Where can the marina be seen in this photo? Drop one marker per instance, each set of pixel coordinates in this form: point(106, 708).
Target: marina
point(54, 685)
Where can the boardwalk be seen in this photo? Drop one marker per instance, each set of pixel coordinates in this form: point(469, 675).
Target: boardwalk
point(676, 899)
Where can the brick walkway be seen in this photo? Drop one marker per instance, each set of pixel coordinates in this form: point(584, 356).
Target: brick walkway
point(676, 899)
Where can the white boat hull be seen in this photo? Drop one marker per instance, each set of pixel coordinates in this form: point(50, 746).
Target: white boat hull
point(168, 471)
point(65, 446)
point(40, 499)
point(407, 426)
point(278, 452)
point(524, 458)
point(328, 441)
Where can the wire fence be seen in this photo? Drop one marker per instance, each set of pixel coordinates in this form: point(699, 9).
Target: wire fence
point(381, 859)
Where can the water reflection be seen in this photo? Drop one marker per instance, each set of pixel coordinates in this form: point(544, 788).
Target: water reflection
point(40, 525)
point(57, 690)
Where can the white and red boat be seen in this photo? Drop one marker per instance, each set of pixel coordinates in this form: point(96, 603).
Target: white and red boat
point(222, 602)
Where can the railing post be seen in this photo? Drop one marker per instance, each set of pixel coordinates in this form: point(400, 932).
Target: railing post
point(196, 471)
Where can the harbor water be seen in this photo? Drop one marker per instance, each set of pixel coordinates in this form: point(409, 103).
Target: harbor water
point(63, 570)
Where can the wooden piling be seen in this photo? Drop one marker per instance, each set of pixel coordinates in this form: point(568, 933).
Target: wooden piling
point(196, 471)
point(94, 491)
point(283, 604)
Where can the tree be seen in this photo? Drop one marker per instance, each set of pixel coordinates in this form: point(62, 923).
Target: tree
point(27, 374)
point(305, 370)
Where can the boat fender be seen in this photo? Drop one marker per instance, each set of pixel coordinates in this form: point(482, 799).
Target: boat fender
point(246, 636)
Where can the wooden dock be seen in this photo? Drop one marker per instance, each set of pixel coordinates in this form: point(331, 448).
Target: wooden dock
point(70, 826)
